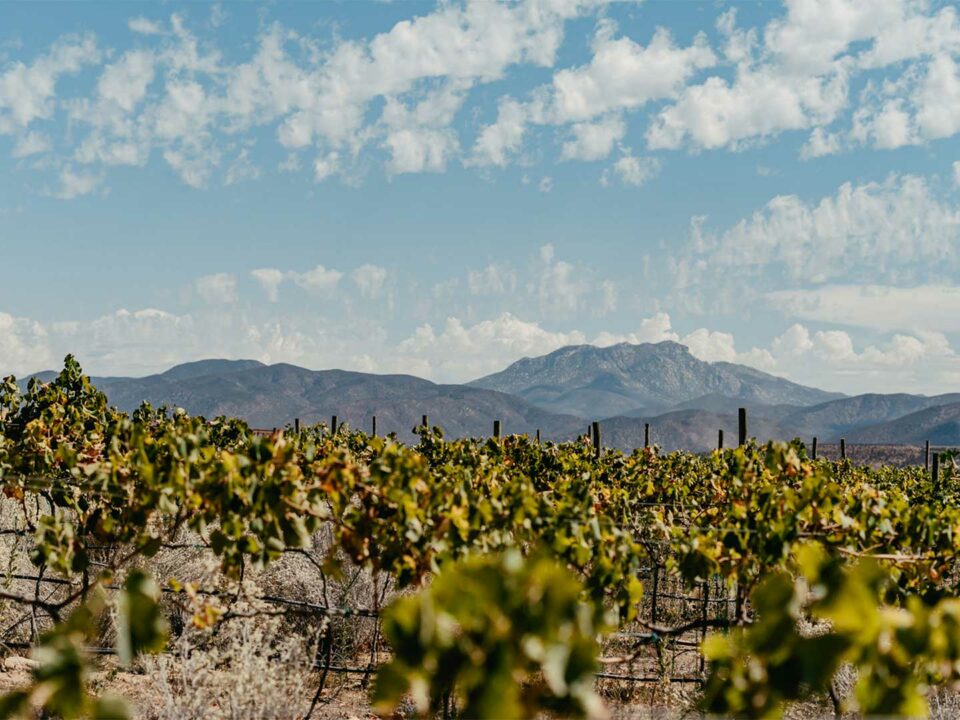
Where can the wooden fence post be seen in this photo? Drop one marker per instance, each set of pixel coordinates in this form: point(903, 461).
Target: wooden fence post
point(333, 425)
point(926, 456)
point(814, 447)
point(296, 425)
point(374, 426)
point(596, 437)
point(704, 615)
point(538, 436)
point(742, 425)
point(496, 428)
point(646, 435)
point(720, 439)
point(843, 449)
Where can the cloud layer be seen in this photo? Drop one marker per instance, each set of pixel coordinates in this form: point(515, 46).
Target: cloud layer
point(843, 74)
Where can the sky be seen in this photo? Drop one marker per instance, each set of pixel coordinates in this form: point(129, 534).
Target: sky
point(443, 188)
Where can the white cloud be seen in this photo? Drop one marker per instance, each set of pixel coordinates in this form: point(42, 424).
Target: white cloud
point(397, 97)
point(799, 78)
point(631, 170)
point(325, 166)
point(27, 91)
point(897, 231)
point(217, 289)
point(74, 184)
point(194, 168)
point(558, 286)
point(125, 82)
point(711, 346)
point(318, 281)
point(594, 141)
point(918, 362)
point(819, 144)
point(938, 112)
point(461, 352)
point(879, 307)
point(492, 280)
point(145, 26)
point(32, 143)
point(794, 341)
point(622, 75)
point(24, 348)
point(269, 279)
point(758, 103)
point(418, 136)
point(654, 329)
point(369, 280)
point(497, 142)
point(420, 150)
point(241, 169)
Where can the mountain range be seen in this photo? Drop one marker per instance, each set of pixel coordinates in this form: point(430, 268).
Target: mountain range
point(684, 400)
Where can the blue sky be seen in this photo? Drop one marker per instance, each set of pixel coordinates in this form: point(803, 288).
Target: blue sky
point(443, 188)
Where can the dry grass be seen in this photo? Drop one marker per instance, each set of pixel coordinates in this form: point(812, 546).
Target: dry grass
point(259, 665)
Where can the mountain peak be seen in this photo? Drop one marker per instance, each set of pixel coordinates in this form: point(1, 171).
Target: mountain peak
point(592, 381)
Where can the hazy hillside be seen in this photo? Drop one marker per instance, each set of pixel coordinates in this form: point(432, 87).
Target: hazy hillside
point(630, 379)
point(832, 419)
point(272, 396)
point(940, 425)
point(624, 386)
point(695, 430)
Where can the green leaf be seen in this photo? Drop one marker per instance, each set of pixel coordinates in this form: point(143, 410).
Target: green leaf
point(141, 626)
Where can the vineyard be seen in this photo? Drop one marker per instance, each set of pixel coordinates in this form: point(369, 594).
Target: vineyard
point(496, 577)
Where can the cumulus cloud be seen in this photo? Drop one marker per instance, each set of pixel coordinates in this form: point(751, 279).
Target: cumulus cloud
point(369, 280)
point(879, 307)
point(899, 231)
point(922, 361)
point(798, 77)
point(27, 91)
point(631, 170)
point(654, 329)
point(217, 289)
point(242, 168)
point(492, 280)
point(125, 81)
point(397, 98)
point(145, 26)
point(594, 141)
point(32, 143)
point(318, 281)
point(74, 183)
point(622, 75)
point(25, 346)
point(708, 345)
point(458, 352)
point(269, 279)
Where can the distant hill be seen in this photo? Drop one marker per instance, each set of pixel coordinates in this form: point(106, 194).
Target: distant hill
point(833, 419)
point(685, 400)
point(628, 379)
point(695, 430)
point(940, 425)
point(270, 396)
point(721, 404)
